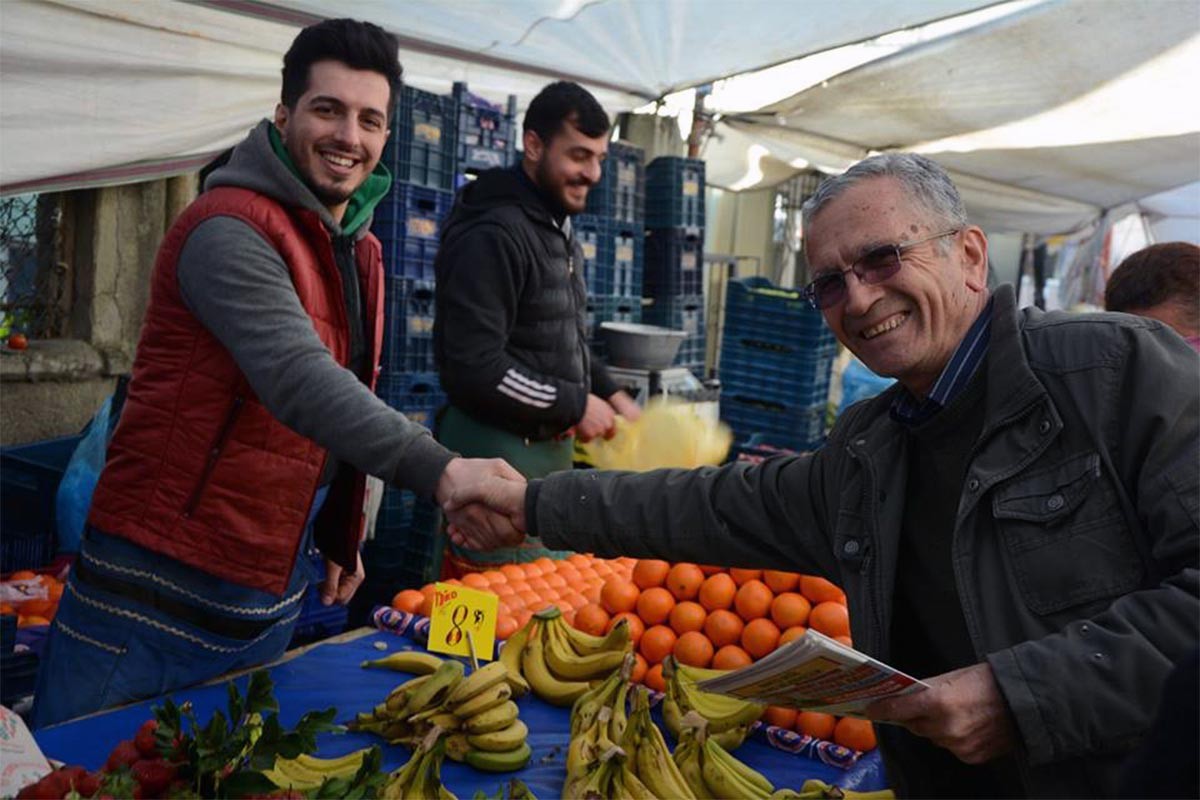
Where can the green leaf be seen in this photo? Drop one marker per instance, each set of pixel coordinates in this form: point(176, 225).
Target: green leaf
point(118, 783)
point(260, 694)
point(247, 783)
point(236, 707)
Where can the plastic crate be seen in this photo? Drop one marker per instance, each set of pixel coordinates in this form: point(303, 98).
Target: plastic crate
point(18, 674)
point(680, 312)
point(317, 621)
point(793, 426)
point(674, 261)
point(408, 327)
point(612, 256)
point(675, 192)
point(417, 396)
point(756, 308)
point(803, 381)
point(408, 222)
point(423, 146)
point(29, 478)
point(407, 547)
point(621, 192)
point(610, 309)
point(487, 133)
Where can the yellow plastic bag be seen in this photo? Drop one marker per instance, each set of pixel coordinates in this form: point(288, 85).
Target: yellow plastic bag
point(669, 433)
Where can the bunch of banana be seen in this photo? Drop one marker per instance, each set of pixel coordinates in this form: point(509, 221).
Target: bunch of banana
point(650, 759)
point(421, 777)
point(729, 719)
point(515, 789)
point(415, 707)
point(560, 662)
point(598, 721)
point(710, 770)
point(305, 772)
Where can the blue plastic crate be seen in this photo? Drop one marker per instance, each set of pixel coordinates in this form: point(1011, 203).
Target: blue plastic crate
point(487, 133)
point(407, 547)
point(621, 192)
point(408, 222)
point(29, 478)
point(678, 312)
point(612, 256)
point(758, 309)
point(317, 621)
point(423, 147)
point(408, 327)
point(418, 396)
point(793, 426)
point(800, 382)
point(674, 262)
point(675, 192)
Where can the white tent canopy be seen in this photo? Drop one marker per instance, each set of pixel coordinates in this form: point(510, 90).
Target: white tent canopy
point(1048, 113)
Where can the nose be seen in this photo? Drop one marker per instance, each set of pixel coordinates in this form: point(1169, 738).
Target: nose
point(347, 131)
point(860, 296)
point(592, 171)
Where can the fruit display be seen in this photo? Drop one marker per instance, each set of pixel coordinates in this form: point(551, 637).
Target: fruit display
point(475, 713)
point(421, 777)
point(727, 719)
point(558, 661)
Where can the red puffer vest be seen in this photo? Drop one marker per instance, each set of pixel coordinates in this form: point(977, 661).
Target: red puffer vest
point(198, 469)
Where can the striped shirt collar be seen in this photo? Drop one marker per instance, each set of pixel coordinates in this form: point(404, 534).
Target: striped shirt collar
point(954, 378)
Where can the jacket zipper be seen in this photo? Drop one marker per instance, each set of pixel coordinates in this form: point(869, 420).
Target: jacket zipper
point(213, 455)
point(873, 564)
point(343, 258)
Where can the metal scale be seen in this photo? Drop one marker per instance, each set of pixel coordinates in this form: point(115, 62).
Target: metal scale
point(640, 357)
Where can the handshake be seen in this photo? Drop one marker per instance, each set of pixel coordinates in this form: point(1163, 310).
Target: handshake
point(484, 503)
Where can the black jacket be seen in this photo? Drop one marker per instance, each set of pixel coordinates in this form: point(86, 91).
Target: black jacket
point(510, 333)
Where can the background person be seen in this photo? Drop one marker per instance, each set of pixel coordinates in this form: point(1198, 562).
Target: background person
point(1162, 282)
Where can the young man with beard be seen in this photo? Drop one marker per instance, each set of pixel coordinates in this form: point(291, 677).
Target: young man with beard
point(510, 332)
point(250, 420)
point(1016, 521)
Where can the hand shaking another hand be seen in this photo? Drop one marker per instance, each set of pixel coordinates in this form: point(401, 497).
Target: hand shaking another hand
point(484, 503)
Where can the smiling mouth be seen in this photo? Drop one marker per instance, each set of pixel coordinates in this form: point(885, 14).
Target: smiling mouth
point(889, 324)
point(342, 162)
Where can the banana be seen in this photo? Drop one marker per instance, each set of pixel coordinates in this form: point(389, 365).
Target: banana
point(617, 638)
point(493, 719)
point(480, 680)
point(581, 752)
point(722, 713)
point(620, 716)
point(287, 773)
point(503, 740)
point(397, 698)
point(654, 765)
point(672, 713)
point(457, 747)
point(508, 761)
point(510, 656)
point(697, 674)
point(488, 698)
point(418, 662)
point(342, 765)
point(687, 758)
point(445, 720)
point(635, 789)
point(433, 691)
point(549, 688)
point(724, 781)
point(588, 704)
point(819, 789)
point(565, 663)
point(713, 751)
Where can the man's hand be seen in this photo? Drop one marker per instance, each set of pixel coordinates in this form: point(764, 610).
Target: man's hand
point(598, 420)
point(488, 514)
point(625, 405)
point(962, 711)
point(339, 586)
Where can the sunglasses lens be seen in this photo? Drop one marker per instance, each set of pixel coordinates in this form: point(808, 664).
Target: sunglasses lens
point(828, 290)
point(878, 265)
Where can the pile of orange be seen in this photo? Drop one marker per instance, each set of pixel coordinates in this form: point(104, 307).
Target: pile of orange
point(37, 610)
point(522, 589)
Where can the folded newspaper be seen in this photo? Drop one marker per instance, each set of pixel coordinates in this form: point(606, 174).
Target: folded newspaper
point(815, 673)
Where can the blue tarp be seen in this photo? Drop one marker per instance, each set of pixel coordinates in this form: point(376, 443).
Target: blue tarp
point(328, 674)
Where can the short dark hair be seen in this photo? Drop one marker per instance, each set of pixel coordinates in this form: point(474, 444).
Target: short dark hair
point(358, 45)
point(1160, 273)
point(564, 101)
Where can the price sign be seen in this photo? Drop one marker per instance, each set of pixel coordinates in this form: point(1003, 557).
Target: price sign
point(457, 611)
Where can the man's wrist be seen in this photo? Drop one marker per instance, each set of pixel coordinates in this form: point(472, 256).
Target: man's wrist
point(531, 494)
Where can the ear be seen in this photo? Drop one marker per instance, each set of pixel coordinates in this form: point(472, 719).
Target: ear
point(281, 117)
point(533, 145)
point(975, 257)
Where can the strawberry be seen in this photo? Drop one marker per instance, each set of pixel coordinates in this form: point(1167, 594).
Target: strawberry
point(89, 784)
point(154, 776)
point(145, 739)
point(123, 755)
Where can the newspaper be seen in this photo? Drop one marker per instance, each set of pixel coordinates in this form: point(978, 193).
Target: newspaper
point(815, 673)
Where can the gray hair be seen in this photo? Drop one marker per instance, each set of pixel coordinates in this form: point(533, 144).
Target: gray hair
point(922, 179)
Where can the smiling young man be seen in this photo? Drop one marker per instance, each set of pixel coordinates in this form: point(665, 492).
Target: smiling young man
point(250, 420)
point(510, 332)
point(1017, 521)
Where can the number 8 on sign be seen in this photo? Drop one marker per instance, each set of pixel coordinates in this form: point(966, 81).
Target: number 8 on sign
point(459, 611)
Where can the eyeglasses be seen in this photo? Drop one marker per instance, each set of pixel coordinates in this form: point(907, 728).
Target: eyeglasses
point(876, 266)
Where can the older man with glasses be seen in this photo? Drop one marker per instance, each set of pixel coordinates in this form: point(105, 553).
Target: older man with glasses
point(1016, 521)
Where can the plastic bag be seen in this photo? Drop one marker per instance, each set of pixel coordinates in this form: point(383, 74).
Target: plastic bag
point(74, 496)
point(667, 434)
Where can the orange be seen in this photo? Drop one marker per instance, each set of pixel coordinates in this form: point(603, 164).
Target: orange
point(830, 618)
point(426, 608)
point(538, 584)
point(592, 619)
point(795, 632)
point(546, 563)
point(22, 575)
point(709, 569)
point(857, 734)
point(780, 717)
point(513, 572)
point(753, 600)
point(789, 610)
point(618, 596)
point(816, 724)
point(654, 679)
point(555, 581)
point(506, 626)
point(740, 576)
point(684, 581)
point(717, 591)
point(687, 616)
point(636, 626)
point(654, 605)
point(475, 581)
point(5, 608)
point(723, 627)
point(531, 570)
point(693, 648)
point(639, 668)
point(819, 590)
point(568, 614)
point(408, 600)
point(503, 589)
point(24, 621)
point(592, 591)
point(649, 572)
point(37, 607)
point(760, 637)
point(522, 617)
point(657, 643)
point(494, 577)
point(731, 657)
point(778, 581)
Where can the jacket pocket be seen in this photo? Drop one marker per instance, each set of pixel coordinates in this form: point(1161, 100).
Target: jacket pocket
point(1065, 535)
point(214, 454)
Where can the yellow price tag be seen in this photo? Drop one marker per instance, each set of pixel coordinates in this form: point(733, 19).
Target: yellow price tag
point(457, 611)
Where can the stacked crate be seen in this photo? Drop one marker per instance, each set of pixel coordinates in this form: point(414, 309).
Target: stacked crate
point(776, 358)
point(674, 248)
point(611, 235)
